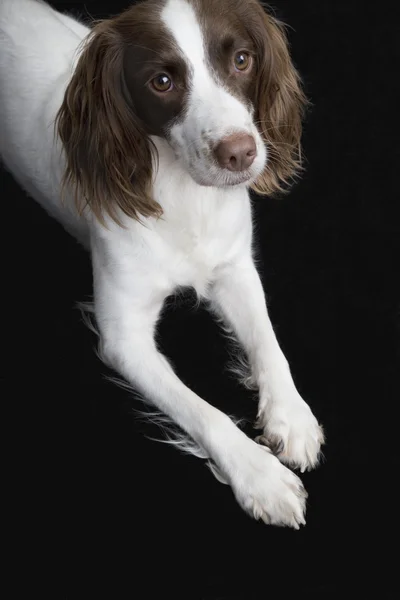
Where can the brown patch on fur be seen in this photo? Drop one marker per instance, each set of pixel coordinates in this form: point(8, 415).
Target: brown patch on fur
point(152, 51)
point(224, 29)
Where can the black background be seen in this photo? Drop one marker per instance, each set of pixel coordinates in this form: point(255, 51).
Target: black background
point(125, 517)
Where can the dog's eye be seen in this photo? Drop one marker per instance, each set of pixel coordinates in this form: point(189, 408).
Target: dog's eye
point(242, 61)
point(162, 83)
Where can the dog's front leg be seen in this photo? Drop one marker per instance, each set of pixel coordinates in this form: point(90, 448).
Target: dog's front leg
point(127, 307)
point(289, 426)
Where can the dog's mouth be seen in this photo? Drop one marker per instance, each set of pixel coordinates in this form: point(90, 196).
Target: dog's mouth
point(205, 171)
point(239, 182)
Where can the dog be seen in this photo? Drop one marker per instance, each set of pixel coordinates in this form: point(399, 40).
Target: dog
point(143, 136)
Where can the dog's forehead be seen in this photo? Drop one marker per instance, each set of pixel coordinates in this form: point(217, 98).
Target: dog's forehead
point(197, 25)
point(180, 18)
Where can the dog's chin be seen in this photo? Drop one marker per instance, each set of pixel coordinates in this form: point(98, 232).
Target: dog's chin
point(223, 179)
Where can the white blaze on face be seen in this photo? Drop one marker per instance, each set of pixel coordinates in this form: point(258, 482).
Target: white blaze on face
point(212, 113)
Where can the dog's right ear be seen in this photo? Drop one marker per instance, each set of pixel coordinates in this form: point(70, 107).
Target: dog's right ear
point(109, 156)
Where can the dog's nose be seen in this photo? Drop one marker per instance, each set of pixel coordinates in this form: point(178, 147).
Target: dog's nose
point(236, 152)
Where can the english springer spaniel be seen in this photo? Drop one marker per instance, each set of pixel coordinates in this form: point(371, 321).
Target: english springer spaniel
point(143, 137)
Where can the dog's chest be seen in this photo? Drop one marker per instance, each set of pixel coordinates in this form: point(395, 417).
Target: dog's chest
point(200, 230)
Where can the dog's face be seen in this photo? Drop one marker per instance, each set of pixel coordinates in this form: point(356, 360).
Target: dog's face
point(192, 80)
point(212, 78)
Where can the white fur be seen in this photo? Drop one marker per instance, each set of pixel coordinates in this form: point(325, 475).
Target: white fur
point(204, 240)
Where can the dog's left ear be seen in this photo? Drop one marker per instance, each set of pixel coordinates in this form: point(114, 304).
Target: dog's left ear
point(280, 104)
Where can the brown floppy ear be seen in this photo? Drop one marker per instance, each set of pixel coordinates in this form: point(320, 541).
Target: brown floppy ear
point(108, 154)
point(280, 104)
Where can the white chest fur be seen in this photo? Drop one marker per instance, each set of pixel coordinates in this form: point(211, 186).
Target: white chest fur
point(201, 229)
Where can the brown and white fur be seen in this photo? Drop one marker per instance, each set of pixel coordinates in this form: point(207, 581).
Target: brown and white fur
point(165, 116)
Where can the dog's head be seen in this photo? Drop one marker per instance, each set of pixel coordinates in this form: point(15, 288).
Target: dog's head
point(213, 78)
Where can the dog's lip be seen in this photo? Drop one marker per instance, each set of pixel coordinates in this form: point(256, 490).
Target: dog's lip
point(225, 184)
point(240, 181)
point(229, 179)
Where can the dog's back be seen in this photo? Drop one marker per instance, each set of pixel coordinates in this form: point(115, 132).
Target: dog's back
point(37, 54)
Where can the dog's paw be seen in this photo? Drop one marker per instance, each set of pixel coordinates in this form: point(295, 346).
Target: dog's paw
point(292, 432)
point(264, 487)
